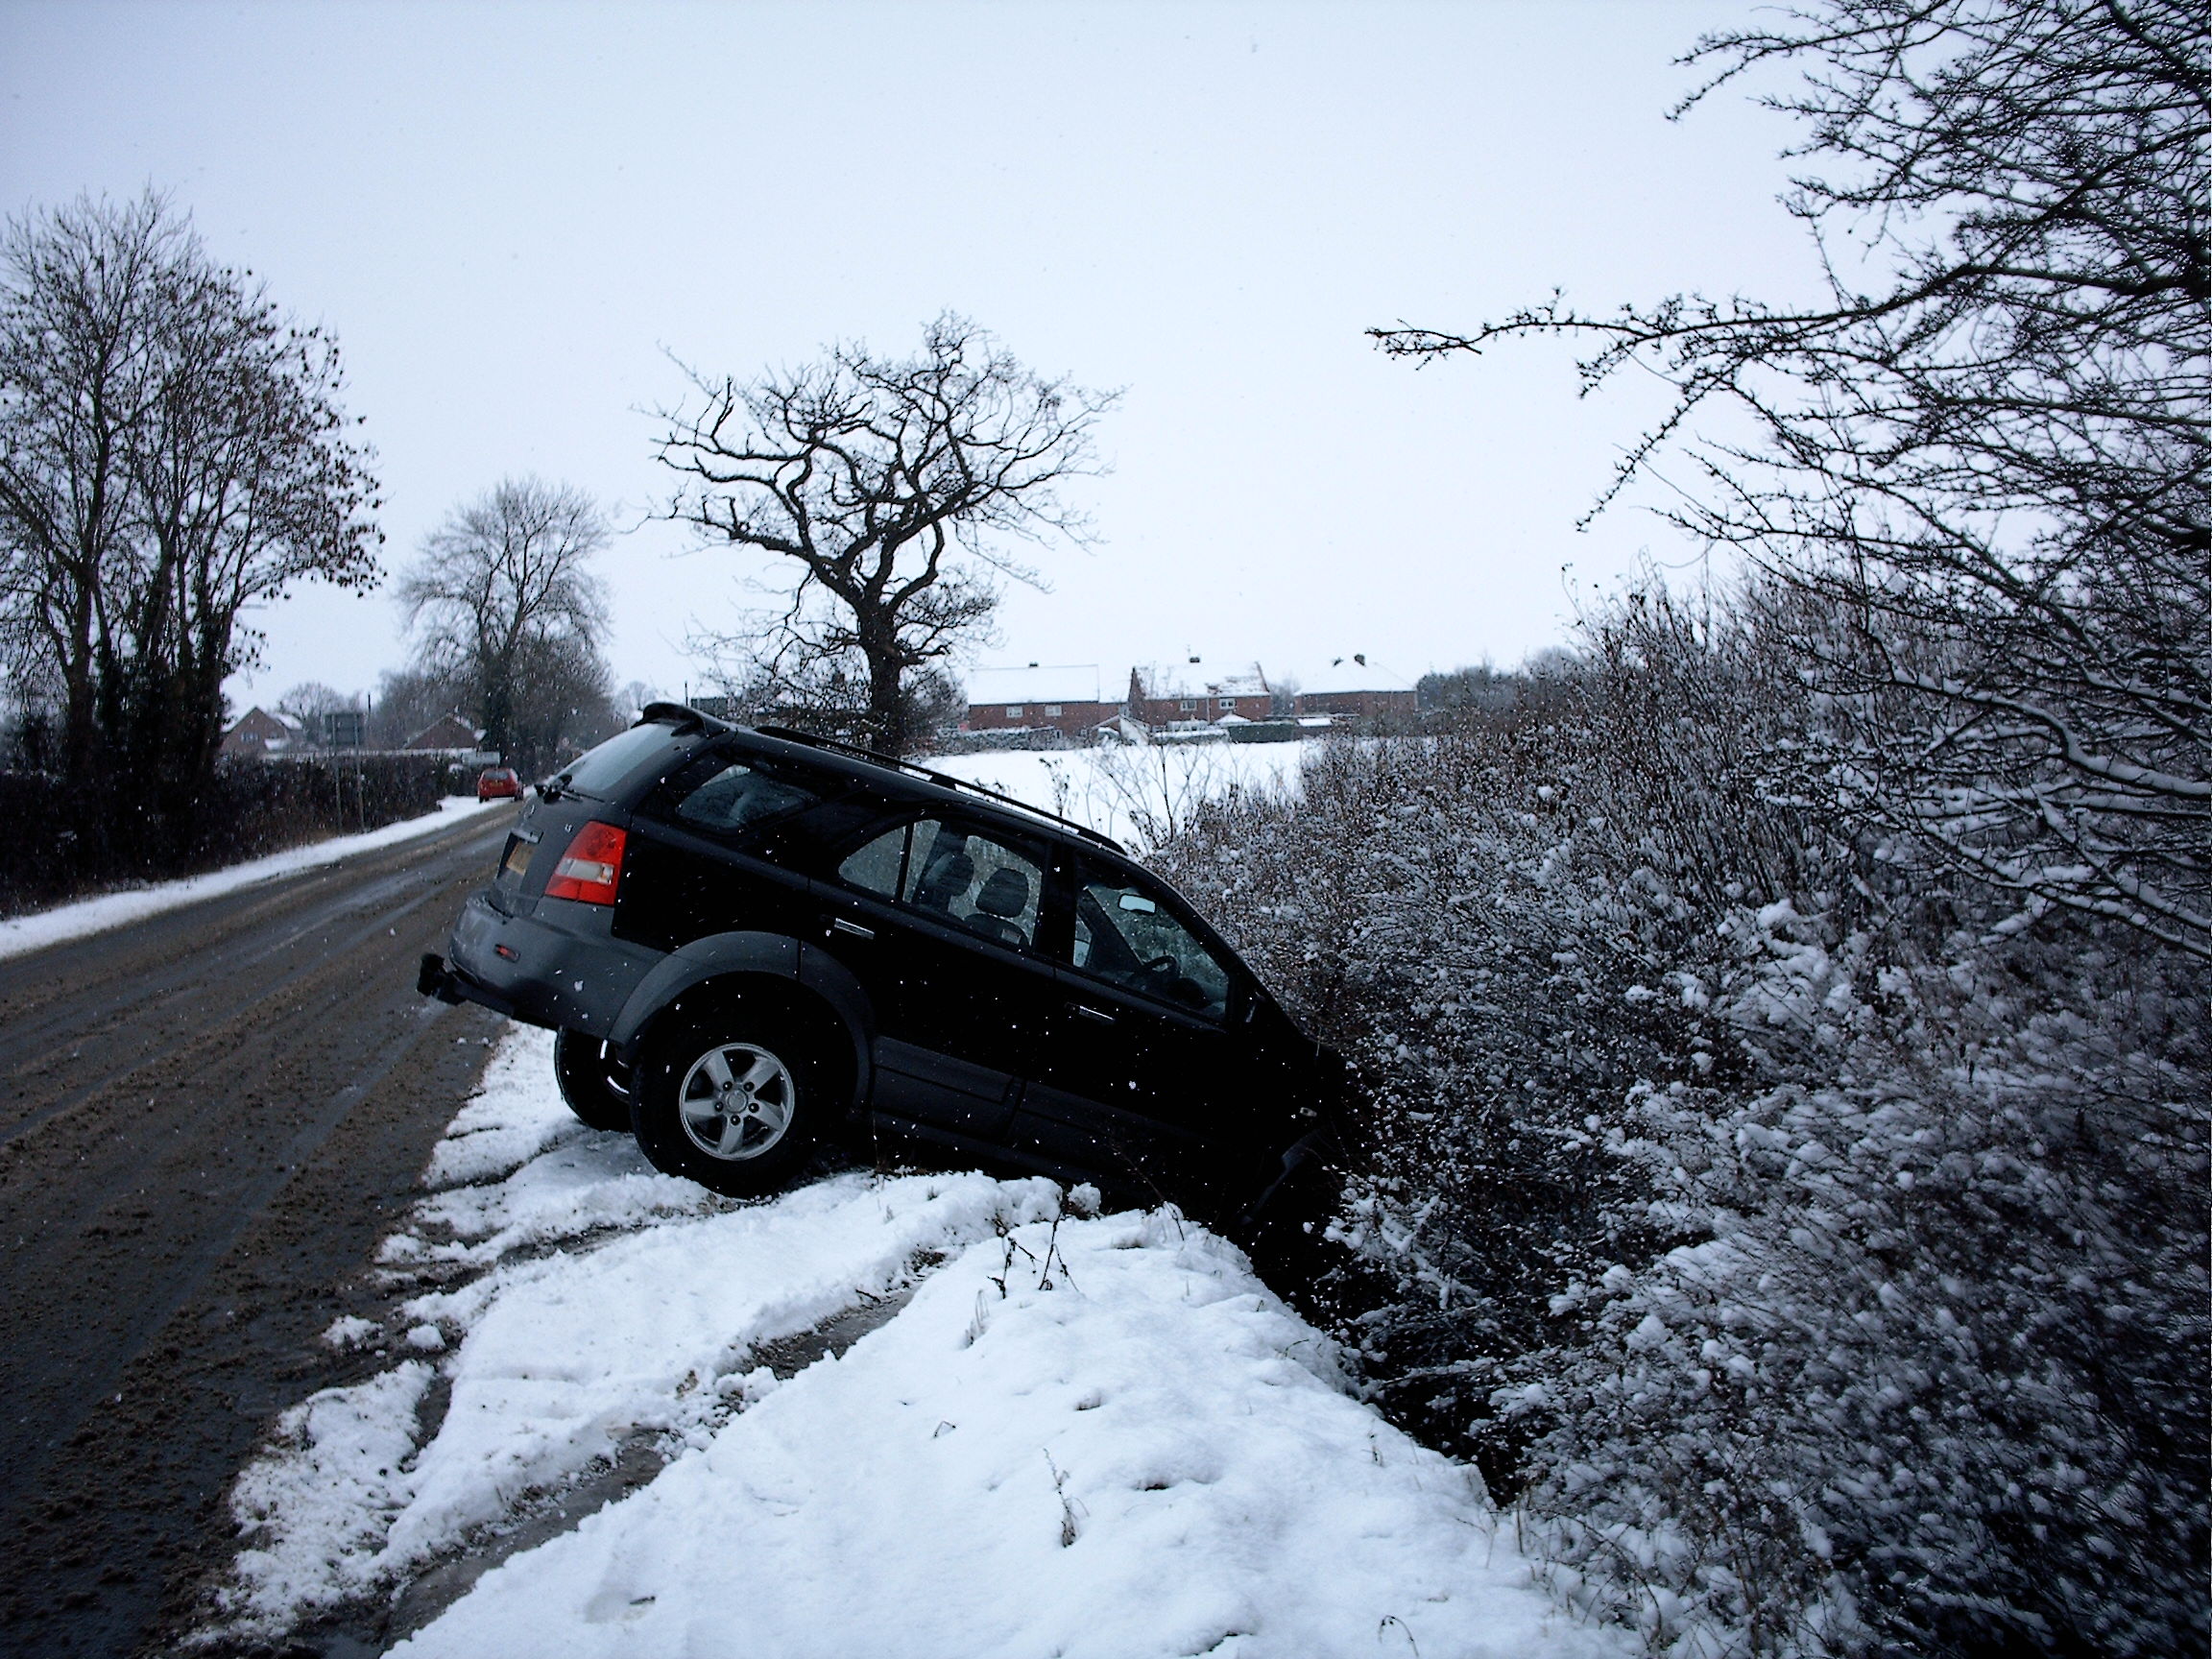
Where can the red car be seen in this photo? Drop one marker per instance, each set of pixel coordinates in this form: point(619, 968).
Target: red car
point(499, 783)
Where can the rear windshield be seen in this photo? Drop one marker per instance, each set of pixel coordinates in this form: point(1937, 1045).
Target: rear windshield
point(741, 793)
point(599, 773)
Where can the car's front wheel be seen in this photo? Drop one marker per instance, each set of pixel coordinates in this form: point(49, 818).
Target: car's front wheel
point(590, 1082)
point(732, 1101)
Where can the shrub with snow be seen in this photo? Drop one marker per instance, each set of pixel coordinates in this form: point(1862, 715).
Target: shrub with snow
point(1817, 1248)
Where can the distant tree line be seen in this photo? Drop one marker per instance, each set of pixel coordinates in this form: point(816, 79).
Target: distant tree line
point(173, 452)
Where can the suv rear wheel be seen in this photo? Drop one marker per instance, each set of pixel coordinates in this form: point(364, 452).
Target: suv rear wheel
point(585, 1074)
point(733, 1098)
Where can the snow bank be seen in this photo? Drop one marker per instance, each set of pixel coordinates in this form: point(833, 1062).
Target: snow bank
point(559, 1357)
point(1107, 1438)
point(89, 916)
point(1080, 1437)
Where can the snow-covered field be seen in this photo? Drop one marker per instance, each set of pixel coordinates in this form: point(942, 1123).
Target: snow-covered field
point(89, 916)
point(1126, 792)
point(1073, 1433)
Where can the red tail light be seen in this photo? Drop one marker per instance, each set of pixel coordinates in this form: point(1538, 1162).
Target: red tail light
point(591, 867)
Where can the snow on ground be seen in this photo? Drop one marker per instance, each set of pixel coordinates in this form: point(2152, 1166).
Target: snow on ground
point(1130, 793)
point(89, 915)
point(1082, 1435)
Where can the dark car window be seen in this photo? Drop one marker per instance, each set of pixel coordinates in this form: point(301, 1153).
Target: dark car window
point(600, 771)
point(983, 884)
point(1126, 935)
point(738, 795)
point(960, 876)
point(877, 866)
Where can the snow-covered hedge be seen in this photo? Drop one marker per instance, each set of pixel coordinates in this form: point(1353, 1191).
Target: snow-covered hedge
point(1819, 1253)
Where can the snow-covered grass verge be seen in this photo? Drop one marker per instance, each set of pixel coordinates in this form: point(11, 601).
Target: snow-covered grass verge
point(89, 915)
point(1082, 1435)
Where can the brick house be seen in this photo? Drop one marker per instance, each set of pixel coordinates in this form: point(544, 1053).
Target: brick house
point(1064, 697)
point(258, 733)
point(1175, 698)
point(447, 735)
point(1162, 698)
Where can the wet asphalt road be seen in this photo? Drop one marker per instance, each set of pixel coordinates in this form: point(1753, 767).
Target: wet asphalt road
point(207, 1119)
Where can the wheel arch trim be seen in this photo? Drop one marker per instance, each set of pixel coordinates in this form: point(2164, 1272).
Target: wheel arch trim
point(753, 955)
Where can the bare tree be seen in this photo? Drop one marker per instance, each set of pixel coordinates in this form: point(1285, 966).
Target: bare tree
point(504, 605)
point(310, 701)
point(172, 451)
point(79, 331)
point(634, 697)
point(1985, 450)
point(892, 487)
point(242, 483)
point(564, 700)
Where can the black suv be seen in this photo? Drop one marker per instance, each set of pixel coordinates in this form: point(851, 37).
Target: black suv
point(752, 940)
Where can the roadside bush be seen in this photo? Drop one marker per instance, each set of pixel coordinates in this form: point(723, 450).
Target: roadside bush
point(274, 805)
point(1812, 1250)
point(70, 843)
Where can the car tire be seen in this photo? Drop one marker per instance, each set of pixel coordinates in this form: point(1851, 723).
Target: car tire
point(587, 1075)
point(733, 1096)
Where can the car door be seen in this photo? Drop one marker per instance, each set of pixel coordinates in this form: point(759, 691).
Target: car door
point(1142, 1053)
point(938, 917)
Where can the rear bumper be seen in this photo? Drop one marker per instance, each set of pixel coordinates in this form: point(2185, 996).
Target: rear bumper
point(568, 978)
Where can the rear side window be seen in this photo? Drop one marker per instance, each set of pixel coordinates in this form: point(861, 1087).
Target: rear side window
point(600, 771)
point(877, 867)
point(743, 794)
point(960, 876)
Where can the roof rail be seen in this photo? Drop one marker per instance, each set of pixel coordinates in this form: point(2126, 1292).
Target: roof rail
point(944, 779)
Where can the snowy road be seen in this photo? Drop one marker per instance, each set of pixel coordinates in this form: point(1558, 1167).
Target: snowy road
point(208, 1118)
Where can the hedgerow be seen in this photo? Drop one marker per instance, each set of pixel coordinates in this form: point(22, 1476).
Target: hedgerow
point(1811, 1250)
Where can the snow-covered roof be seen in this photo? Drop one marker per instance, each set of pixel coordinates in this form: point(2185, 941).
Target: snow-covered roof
point(273, 716)
point(1351, 674)
point(1036, 682)
point(1252, 683)
point(1225, 677)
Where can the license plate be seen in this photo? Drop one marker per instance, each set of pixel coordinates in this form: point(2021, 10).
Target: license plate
point(517, 862)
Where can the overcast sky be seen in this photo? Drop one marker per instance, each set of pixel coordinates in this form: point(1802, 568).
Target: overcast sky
point(512, 217)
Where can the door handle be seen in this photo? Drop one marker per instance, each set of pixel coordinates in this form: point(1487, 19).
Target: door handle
point(1090, 1013)
point(841, 926)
